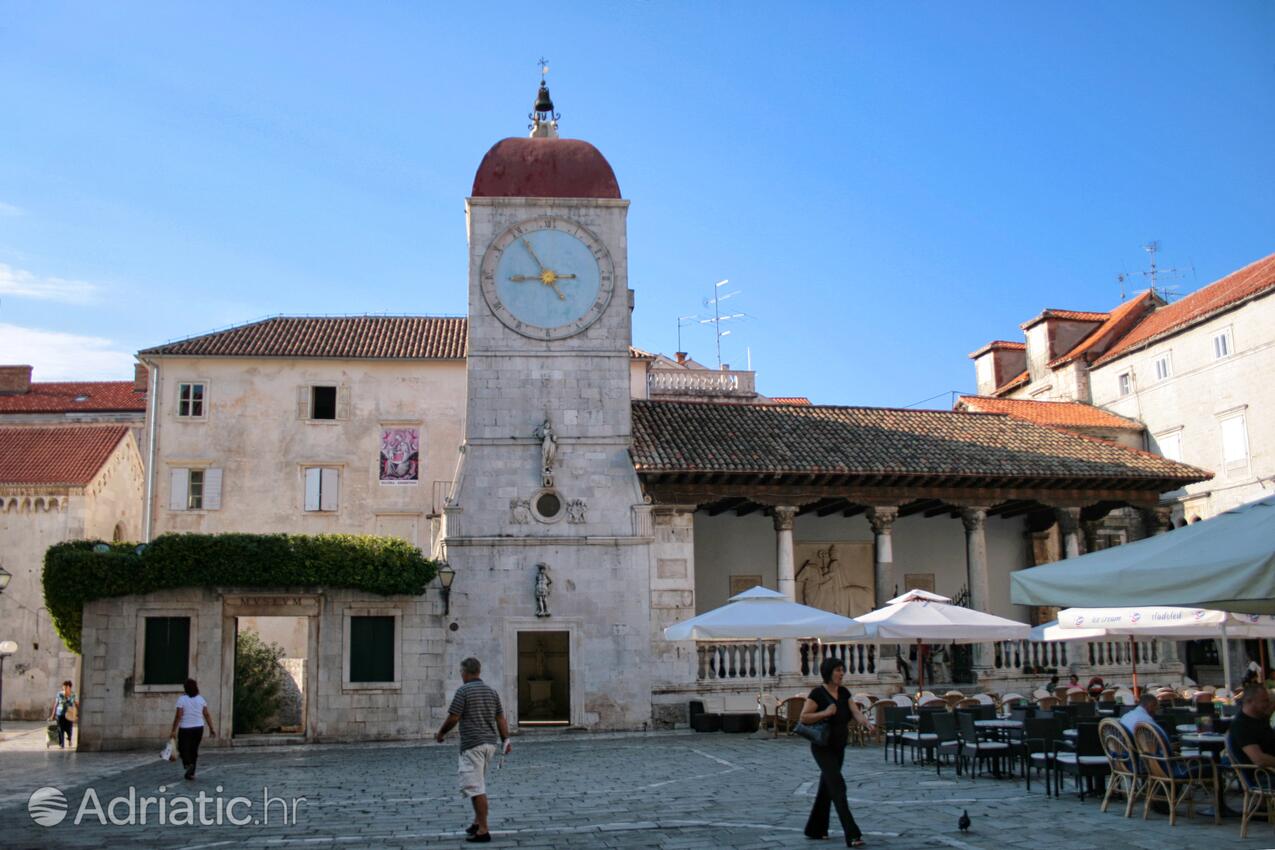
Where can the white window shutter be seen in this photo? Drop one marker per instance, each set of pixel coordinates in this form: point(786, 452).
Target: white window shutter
point(212, 489)
point(312, 488)
point(342, 402)
point(180, 479)
point(330, 491)
point(1234, 441)
point(303, 402)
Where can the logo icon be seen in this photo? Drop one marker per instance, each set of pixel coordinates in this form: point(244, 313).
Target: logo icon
point(1079, 619)
point(1199, 615)
point(47, 806)
point(1135, 616)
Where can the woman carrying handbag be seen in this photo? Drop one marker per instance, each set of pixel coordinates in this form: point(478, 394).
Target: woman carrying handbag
point(829, 706)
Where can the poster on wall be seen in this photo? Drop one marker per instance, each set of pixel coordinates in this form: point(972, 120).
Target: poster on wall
point(836, 576)
point(400, 455)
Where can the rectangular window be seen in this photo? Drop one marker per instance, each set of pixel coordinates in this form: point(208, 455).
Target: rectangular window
point(1125, 382)
point(323, 402)
point(167, 651)
point(322, 488)
point(1234, 443)
point(195, 489)
point(1170, 444)
point(190, 401)
point(1222, 345)
point(371, 649)
point(1163, 367)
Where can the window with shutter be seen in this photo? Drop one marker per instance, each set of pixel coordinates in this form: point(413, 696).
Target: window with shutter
point(303, 402)
point(195, 490)
point(322, 488)
point(371, 649)
point(166, 651)
point(190, 400)
point(212, 489)
point(178, 480)
point(323, 403)
point(1170, 444)
point(1234, 443)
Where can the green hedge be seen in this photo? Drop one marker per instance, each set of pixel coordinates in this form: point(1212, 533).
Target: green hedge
point(75, 574)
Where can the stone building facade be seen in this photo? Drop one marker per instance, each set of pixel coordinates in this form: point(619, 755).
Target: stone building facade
point(57, 483)
point(586, 494)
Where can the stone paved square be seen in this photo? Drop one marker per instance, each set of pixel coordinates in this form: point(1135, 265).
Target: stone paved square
point(575, 791)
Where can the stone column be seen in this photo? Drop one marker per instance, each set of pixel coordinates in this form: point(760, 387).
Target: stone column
point(881, 518)
point(1069, 525)
point(975, 521)
point(785, 571)
point(1157, 520)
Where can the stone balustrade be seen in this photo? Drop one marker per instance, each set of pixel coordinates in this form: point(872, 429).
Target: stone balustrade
point(684, 382)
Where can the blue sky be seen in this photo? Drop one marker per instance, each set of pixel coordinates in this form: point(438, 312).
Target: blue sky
point(888, 185)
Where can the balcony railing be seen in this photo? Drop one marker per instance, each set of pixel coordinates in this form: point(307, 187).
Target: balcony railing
point(691, 382)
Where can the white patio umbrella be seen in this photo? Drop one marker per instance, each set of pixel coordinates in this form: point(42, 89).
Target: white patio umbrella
point(1157, 621)
point(928, 618)
point(1225, 563)
point(763, 614)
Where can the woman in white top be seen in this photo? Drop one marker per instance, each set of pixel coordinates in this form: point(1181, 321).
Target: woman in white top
point(188, 725)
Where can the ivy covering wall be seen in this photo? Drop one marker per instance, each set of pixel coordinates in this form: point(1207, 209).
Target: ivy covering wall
point(76, 572)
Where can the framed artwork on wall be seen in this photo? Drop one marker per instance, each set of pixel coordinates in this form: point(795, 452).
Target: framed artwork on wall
point(738, 584)
point(400, 456)
point(918, 581)
point(835, 575)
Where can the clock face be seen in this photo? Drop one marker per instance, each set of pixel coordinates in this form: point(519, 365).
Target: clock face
point(547, 278)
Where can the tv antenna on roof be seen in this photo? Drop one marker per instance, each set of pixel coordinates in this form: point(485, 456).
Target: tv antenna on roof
point(718, 318)
point(1154, 275)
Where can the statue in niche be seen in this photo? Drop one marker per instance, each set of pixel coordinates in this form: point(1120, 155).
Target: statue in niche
point(543, 583)
point(826, 583)
point(577, 511)
point(520, 510)
point(541, 674)
point(548, 450)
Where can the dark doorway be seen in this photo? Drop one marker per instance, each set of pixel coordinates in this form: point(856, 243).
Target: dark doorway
point(544, 679)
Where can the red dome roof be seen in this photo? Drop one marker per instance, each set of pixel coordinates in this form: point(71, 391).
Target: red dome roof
point(545, 168)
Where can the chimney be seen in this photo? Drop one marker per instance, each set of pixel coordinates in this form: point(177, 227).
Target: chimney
point(141, 377)
point(15, 380)
point(681, 357)
point(998, 362)
point(725, 367)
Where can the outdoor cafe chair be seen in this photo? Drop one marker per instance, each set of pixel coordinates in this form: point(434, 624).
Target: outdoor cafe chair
point(953, 698)
point(976, 747)
point(788, 714)
point(1074, 697)
point(1086, 762)
point(1171, 778)
point(1128, 776)
point(946, 742)
point(903, 700)
point(922, 738)
point(1036, 747)
point(895, 724)
point(1047, 703)
point(968, 702)
point(1060, 693)
point(1258, 785)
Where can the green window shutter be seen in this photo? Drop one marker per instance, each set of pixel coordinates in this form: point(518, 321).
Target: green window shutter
point(371, 649)
point(167, 651)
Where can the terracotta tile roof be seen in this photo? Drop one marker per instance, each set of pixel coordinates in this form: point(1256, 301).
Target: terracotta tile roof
point(61, 397)
point(638, 354)
point(1015, 382)
point(1066, 316)
point(759, 439)
point(999, 344)
point(65, 454)
point(338, 337)
point(343, 337)
point(1254, 279)
point(1118, 322)
point(790, 399)
point(1065, 414)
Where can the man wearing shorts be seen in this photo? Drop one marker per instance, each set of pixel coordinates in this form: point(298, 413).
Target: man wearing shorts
point(483, 730)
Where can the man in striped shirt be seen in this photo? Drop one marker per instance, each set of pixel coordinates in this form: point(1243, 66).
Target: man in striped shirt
point(476, 707)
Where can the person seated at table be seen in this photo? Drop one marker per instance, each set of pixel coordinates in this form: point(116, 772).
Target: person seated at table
point(1073, 683)
point(1251, 736)
point(1096, 686)
point(1051, 684)
point(1143, 712)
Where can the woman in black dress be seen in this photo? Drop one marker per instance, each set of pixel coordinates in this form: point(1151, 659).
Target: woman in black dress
point(831, 702)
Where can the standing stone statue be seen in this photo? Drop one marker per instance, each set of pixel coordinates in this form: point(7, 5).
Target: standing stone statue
point(548, 450)
point(543, 583)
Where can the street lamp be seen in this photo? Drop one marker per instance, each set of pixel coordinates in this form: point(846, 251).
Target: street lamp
point(4, 579)
point(446, 575)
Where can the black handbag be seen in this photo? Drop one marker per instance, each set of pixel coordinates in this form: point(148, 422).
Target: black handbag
point(815, 733)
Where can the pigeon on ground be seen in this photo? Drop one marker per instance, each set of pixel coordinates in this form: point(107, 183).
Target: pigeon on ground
point(964, 821)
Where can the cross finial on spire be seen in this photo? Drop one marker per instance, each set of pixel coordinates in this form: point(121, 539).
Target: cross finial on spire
point(544, 120)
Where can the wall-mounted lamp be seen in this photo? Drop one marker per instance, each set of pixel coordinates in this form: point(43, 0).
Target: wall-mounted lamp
point(5, 575)
point(446, 575)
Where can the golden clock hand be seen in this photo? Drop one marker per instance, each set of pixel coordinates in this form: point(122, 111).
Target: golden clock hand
point(519, 278)
point(564, 276)
point(532, 252)
point(554, 286)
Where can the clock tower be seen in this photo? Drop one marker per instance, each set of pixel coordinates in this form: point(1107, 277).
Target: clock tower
point(546, 527)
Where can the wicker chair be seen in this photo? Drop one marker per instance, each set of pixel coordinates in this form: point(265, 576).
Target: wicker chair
point(1258, 785)
point(1128, 776)
point(788, 714)
point(1170, 778)
point(953, 698)
point(1074, 697)
point(1047, 703)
